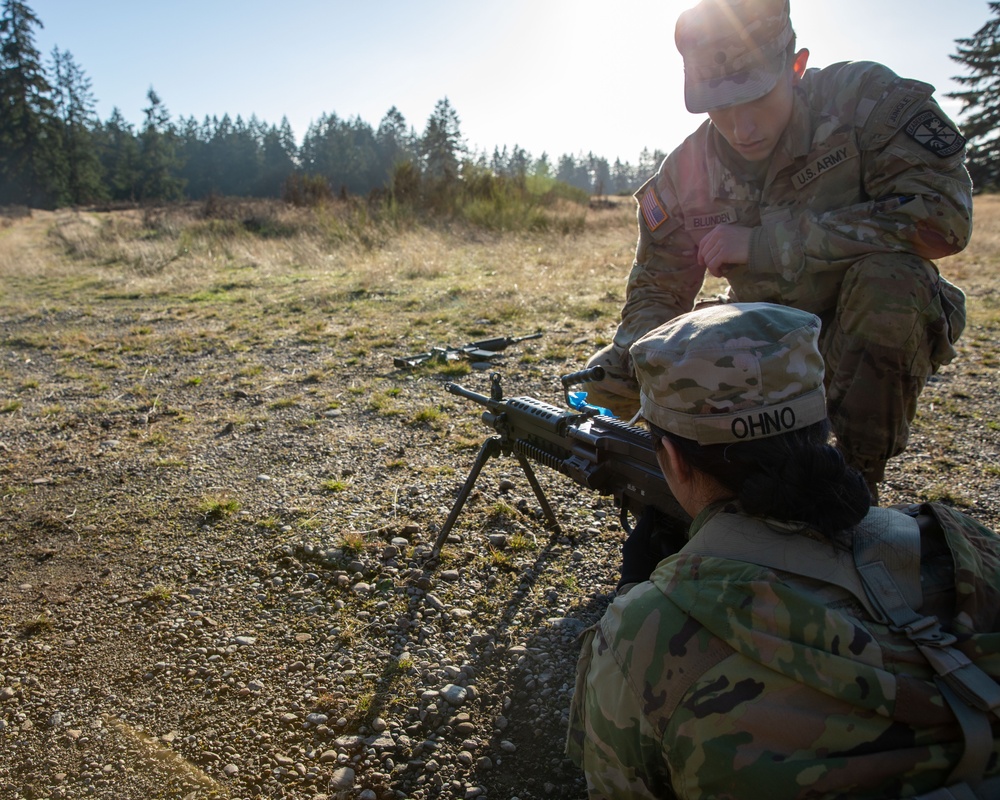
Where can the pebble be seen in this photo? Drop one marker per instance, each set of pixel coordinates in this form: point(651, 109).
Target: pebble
point(342, 778)
point(455, 695)
point(283, 636)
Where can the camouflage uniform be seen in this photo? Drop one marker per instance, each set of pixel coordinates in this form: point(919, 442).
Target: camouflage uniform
point(723, 679)
point(865, 188)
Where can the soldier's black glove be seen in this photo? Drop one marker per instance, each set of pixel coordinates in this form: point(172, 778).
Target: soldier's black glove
point(654, 537)
point(639, 553)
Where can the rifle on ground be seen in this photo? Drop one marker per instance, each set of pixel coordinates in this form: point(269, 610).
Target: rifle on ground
point(598, 452)
point(483, 350)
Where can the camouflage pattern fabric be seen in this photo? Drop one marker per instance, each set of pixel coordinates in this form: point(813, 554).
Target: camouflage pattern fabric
point(732, 373)
point(868, 166)
point(734, 50)
point(726, 680)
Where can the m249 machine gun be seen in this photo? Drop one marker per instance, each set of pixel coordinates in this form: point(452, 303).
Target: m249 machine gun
point(598, 452)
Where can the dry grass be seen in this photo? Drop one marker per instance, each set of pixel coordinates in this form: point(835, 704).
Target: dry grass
point(250, 269)
point(192, 400)
point(391, 284)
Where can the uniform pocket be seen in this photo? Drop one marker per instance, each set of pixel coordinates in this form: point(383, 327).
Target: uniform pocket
point(953, 305)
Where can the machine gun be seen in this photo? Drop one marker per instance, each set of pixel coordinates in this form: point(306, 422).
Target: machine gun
point(485, 350)
point(598, 452)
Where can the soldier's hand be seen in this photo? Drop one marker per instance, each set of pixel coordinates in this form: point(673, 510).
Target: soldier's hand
point(723, 247)
point(639, 556)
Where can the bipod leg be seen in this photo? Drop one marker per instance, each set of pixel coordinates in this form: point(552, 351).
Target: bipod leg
point(490, 449)
point(529, 473)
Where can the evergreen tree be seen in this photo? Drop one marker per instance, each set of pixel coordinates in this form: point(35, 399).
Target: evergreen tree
point(158, 161)
point(442, 146)
point(345, 153)
point(600, 174)
point(74, 108)
point(193, 149)
point(518, 163)
point(118, 150)
point(542, 167)
point(623, 179)
point(575, 172)
point(278, 159)
point(395, 143)
point(31, 160)
point(980, 54)
point(498, 163)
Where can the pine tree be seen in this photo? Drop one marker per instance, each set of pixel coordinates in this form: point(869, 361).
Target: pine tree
point(74, 108)
point(394, 142)
point(118, 150)
point(30, 147)
point(980, 54)
point(542, 168)
point(159, 164)
point(442, 145)
point(279, 153)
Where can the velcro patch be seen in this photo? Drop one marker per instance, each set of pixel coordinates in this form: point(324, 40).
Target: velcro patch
point(705, 222)
point(900, 105)
point(824, 162)
point(932, 133)
point(652, 209)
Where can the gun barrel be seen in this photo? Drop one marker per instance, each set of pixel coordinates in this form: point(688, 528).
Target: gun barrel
point(499, 342)
point(468, 394)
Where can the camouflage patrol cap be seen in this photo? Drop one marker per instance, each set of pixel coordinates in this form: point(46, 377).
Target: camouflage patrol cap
point(732, 373)
point(734, 51)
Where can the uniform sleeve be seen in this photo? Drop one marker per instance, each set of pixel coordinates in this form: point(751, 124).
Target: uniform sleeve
point(912, 169)
point(609, 738)
point(665, 277)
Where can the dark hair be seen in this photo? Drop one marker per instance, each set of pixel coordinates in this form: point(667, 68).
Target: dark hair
point(794, 477)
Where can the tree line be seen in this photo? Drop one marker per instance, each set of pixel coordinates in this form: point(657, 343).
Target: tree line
point(54, 151)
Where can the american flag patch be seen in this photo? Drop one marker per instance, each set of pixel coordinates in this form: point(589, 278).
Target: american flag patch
point(652, 209)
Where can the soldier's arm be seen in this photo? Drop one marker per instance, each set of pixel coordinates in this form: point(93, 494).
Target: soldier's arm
point(609, 738)
point(912, 169)
point(666, 276)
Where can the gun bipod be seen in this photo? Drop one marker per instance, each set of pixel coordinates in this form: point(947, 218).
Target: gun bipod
point(492, 448)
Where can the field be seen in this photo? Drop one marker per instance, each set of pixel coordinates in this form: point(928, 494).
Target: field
point(217, 494)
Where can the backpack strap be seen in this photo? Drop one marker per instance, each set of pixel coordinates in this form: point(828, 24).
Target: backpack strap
point(971, 694)
point(883, 574)
point(987, 790)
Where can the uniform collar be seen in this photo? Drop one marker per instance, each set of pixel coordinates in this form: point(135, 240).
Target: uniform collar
point(795, 143)
point(797, 139)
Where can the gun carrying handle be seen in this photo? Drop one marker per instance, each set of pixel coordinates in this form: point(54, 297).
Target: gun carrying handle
point(589, 375)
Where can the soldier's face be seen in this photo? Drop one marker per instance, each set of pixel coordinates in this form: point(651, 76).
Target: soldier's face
point(753, 129)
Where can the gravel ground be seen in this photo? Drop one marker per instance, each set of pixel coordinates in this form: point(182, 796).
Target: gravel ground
point(303, 644)
point(215, 581)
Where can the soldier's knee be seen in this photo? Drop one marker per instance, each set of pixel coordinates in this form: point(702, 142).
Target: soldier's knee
point(883, 296)
point(898, 303)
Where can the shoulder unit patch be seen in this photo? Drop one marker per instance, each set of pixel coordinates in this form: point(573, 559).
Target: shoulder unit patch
point(652, 208)
point(933, 133)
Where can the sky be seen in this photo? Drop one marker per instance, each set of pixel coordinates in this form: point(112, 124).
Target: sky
point(553, 76)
